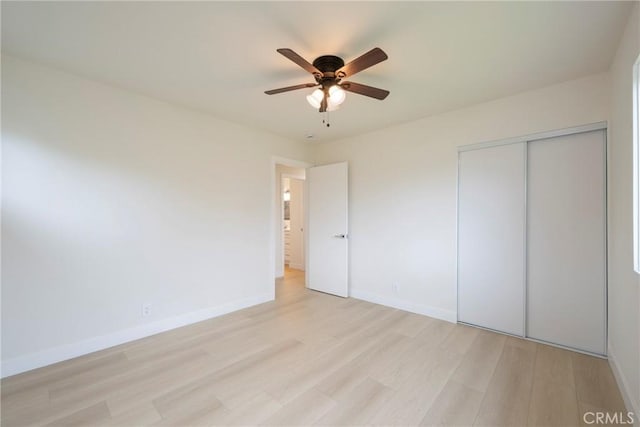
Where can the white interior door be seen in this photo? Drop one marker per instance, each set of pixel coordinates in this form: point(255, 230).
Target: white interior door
point(566, 241)
point(491, 237)
point(327, 230)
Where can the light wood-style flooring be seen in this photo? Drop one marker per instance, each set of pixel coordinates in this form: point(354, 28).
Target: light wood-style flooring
point(310, 358)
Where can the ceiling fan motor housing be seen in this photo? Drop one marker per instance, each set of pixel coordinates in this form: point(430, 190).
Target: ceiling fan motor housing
point(328, 64)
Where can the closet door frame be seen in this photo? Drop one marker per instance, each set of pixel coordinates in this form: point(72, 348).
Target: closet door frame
point(603, 125)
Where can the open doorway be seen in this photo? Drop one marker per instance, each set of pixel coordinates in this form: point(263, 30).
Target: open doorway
point(292, 225)
point(293, 222)
point(289, 226)
point(323, 225)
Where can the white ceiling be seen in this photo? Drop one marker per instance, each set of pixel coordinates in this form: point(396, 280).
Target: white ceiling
point(221, 56)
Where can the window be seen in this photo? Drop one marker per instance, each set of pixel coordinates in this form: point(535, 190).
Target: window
point(636, 166)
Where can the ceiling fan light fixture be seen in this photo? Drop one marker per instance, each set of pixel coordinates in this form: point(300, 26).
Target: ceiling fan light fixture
point(337, 95)
point(332, 107)
point(315, 99)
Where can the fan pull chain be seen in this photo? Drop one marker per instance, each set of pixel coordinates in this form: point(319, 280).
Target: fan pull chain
point(325, 120)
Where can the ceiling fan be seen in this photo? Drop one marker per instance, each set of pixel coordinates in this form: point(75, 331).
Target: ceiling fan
point(329, 72)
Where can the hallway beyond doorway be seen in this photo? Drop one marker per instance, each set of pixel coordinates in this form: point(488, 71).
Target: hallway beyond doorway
point(291, 283)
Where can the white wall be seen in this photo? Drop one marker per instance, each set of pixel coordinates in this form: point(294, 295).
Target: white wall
point(112, 199)
point(624, 283)
point(402, 189)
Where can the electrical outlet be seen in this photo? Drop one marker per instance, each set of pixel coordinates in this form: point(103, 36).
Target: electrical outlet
point(146, 309)
point(396, 288)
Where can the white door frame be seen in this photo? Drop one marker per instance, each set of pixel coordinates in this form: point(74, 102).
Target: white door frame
point(275, 212)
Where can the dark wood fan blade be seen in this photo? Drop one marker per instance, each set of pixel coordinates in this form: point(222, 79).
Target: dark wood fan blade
point(371, 58)
point(290, 54)
point(365, 90)
point(288, 88)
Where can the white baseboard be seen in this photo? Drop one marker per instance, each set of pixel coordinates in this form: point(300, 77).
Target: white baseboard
point(69, 351)
point(623, 386)
point(425, 310)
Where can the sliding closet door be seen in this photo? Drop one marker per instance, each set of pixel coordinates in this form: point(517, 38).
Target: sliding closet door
point(491, 229)
point(566, 241)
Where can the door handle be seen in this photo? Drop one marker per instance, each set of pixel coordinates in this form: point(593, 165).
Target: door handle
point(340, 236)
